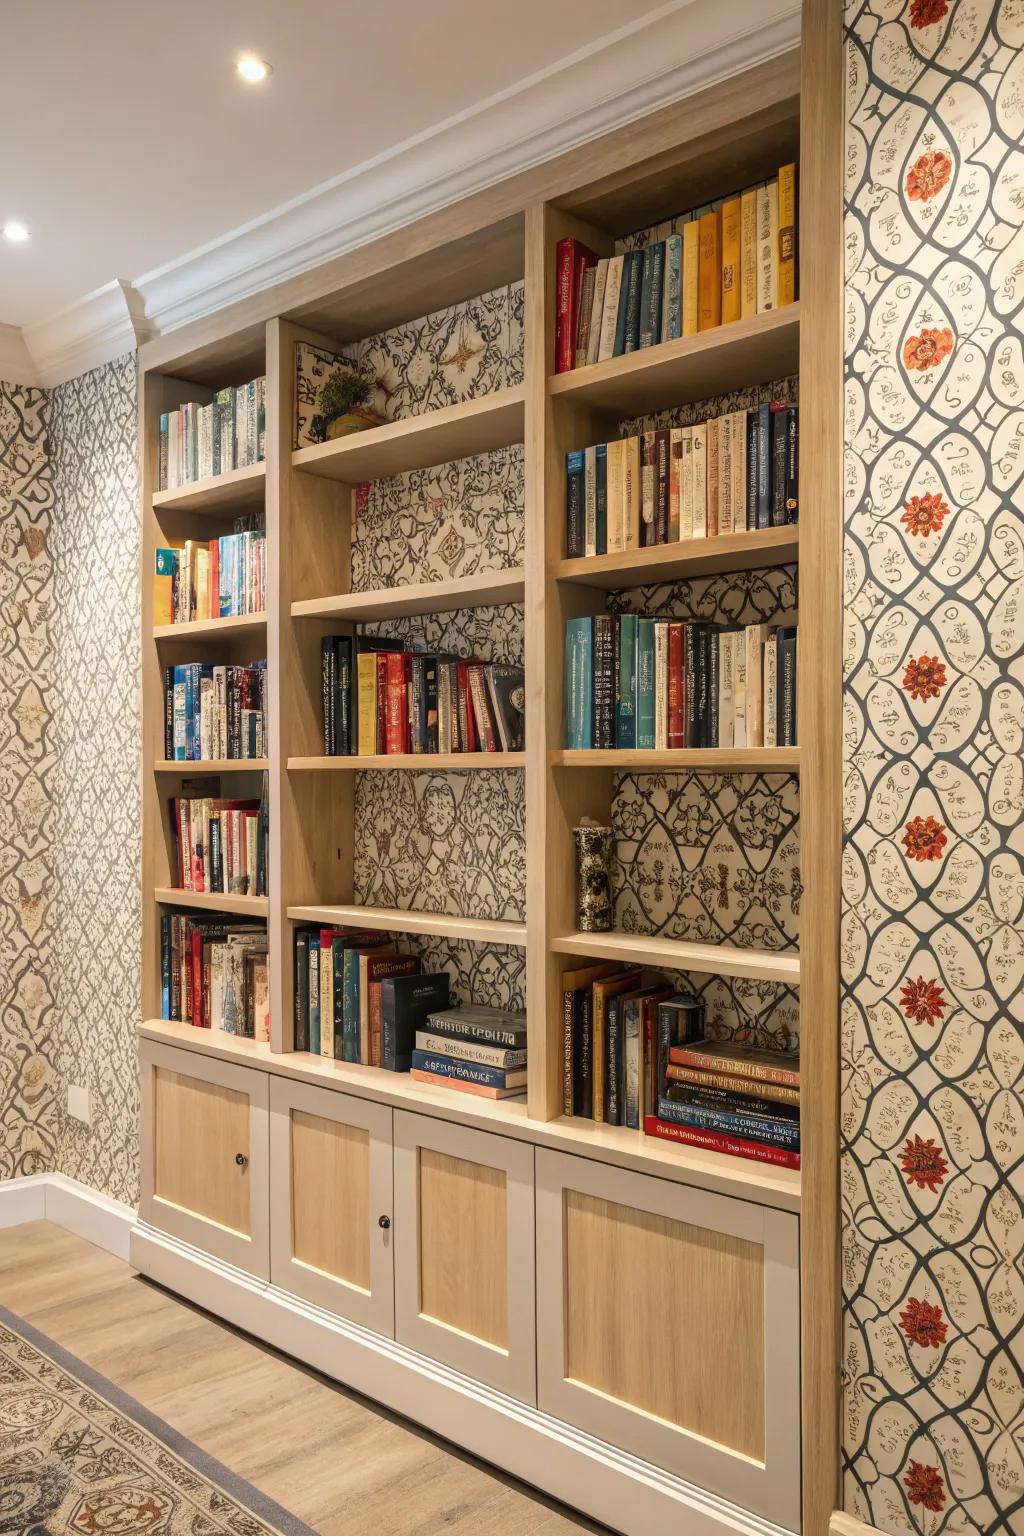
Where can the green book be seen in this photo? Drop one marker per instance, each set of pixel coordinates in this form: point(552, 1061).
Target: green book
point(625, 703)
point(645, 684)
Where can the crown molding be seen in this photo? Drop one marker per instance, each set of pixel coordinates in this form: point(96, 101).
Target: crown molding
point(16, 365)
point(669, 53)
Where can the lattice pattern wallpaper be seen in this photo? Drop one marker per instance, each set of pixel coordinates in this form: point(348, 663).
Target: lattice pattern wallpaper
point(97, 653)
point(28, 1079)
point(932, 948)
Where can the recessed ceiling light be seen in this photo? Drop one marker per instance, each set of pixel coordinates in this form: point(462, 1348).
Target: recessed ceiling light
point(16, 231)
point(252, 69)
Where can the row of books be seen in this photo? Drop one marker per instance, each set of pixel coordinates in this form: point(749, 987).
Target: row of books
point(221, 844)
point(214, 712)
point(736, 471)
point(634, 681)
point(221, 579)
point(380, 698)
point(725, 261)
point(197, 441)
point(730, 1098)
point(214, 974)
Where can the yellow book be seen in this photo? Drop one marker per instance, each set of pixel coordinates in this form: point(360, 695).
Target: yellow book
point(163, 585)
point(709, 268)
point(787, 234)
point(326, 1000)
point(732, 296)
point(748, 252)
point(366, 682)
point(631, 492)
point(616, 518)
point(691, 277)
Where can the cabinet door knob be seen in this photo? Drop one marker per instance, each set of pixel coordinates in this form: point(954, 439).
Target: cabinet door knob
point(241, 1159)
point(384, 1222)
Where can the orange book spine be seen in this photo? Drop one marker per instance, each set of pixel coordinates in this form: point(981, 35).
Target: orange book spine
point(710, 271)
point(732, 287)
point(787, 234)
point(691, 278)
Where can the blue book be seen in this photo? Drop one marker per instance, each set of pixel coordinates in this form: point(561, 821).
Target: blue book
point(763, 515)
point(314, 994)
point(774, 1133)
point(601, 476)
point(627, 321)
point(579, 683)
point(672, 290)
point(752, 457)
point(650, 310)
point(469, 1071)
point(194, 674)
point(180, 713)
point(575, 533)
point(346, 966)
point(645, 683)
point(625, 703)
point(165, 965)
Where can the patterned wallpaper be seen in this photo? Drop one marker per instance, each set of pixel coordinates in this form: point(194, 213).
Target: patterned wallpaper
point(28, 1079)
point(96, 645)
point(932, 944)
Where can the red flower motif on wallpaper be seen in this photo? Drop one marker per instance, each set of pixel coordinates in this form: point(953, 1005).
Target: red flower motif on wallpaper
point(928, 349)
point(928, 175)
point(925, 514)
point(923, 1001)
point(923, 1163)
point(923, 839)
point(924, 13)
point(925, 677)
point(923, 1324)
point(924, 1485)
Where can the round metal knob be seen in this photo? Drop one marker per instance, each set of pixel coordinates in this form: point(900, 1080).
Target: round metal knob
point(241, 1159)
point(384, 1222)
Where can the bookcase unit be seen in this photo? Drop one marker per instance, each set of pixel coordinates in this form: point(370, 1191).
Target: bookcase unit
point(540, 1202)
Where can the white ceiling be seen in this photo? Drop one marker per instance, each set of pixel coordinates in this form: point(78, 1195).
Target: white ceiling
point(128, 139)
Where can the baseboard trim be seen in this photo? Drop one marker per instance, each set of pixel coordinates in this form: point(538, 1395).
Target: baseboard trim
point(96, 1217)
point(842, 1524)
point(602, 1481)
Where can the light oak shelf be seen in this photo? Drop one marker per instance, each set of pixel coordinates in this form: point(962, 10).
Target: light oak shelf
point(746, 551)
point(483, 589)
point(681, 955)
point(241, 624)
point(476, 930)
point(411, 762)
point(753, 351)
point(617, 1145)
point(217, 493)
point(212, 901)
point(211, 765)
point(436, 437)
point(710, 759)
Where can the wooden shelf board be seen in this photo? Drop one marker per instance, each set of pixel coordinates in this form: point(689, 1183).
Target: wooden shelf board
point(477, 591)
point(757, 350)
point(217, 493)
point(410, 762)
point(211, 765)
point(678, 954)
point(710, 759)
point(477, 930)
point(436, 437)
point(760, 1182)
point(243, 624)
point(212, 901)
point(746, 551)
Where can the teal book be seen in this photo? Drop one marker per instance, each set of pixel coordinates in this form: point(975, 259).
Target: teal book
point(625, 703)
point(601, 457)
point(672, 292)
point(645, 684)
point(349, 1006)
point(579, 683)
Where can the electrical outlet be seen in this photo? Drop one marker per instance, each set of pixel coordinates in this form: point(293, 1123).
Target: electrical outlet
point(78, 1103)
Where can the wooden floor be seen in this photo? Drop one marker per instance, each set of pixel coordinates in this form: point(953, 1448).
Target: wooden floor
point(337, 1461)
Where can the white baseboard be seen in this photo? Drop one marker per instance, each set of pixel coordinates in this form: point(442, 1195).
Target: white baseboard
point(604, 1482)
point(67, 1203)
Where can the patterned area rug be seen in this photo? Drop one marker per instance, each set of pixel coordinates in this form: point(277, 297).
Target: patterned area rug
point(78, 1455)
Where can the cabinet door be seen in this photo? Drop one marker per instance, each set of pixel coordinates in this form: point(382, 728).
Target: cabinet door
point(330, 1173)
point(204, 1153)
point(464, 1225)
point(668, 1323)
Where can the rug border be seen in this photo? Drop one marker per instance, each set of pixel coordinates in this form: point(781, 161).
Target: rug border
point(236, 1487)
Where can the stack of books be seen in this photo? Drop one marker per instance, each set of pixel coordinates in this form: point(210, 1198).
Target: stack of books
point(731, 1099)
point(473, 1049)
point(197, 441)
point(636, 681)
point(221, 579)
point(214, 974)
point(727, 260)
point(735, 472)
point(379, 698)
point(214, 712)
point(221, 844)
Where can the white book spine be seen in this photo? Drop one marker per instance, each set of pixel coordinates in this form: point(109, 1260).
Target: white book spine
point(661, 685)
point(597, 311)
point(766, 246)
point(771, 675)
point(724, 475)
point(755, 685)
point(206, 748)
point(648, 488)
point(700, 476)
point(739, 689)
point(590, 501)
point(738, 422)
point(726, 675)
point(610, 310)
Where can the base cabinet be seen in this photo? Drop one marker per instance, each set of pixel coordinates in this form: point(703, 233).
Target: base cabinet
point(464, 1276)
point(331, 1205)
point(205, 1163)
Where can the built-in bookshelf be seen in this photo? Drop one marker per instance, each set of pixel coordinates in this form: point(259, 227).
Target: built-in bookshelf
point(311, 503)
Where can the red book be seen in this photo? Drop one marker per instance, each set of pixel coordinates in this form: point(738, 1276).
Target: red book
point(467, 724)
point(717, 1141)
point(397, 737)
point(382, 701)
point(676, 687)
point(196, 978)
point(572, 258)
